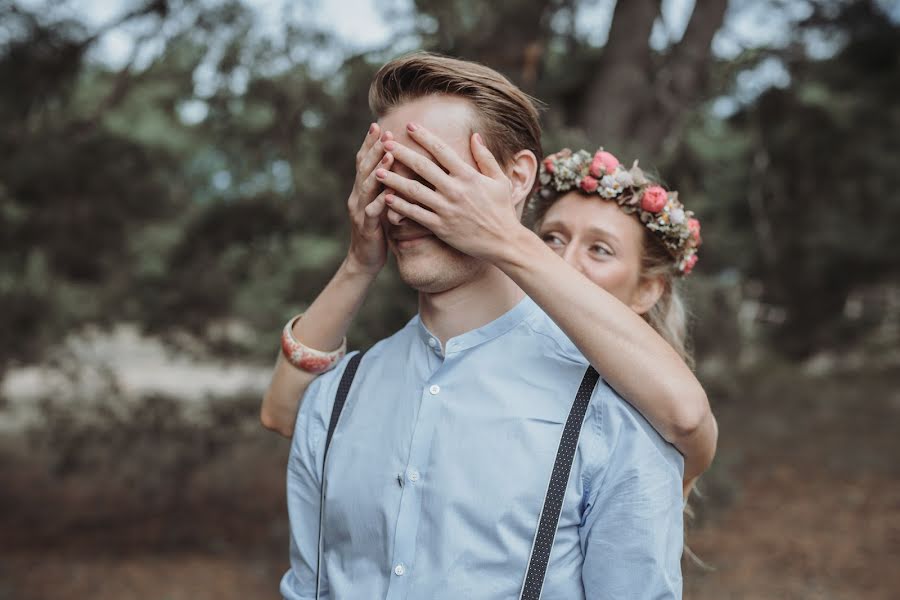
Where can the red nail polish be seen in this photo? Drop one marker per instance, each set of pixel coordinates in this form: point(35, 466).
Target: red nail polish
point(389, 145)
point(411, 126)
point(371, 128)
point(386, 159)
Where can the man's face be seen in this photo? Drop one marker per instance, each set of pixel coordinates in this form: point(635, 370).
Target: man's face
point(426, 263)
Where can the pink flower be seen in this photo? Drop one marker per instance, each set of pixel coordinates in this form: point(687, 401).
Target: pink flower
point(589, 184)
point(654, 199)
point(549, 166)
point(694, 226)
point(689, 264)
point(603, 163)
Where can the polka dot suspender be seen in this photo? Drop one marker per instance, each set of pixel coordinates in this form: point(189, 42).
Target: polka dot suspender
point(339, 399)
point(556, 490)
point(553, 500)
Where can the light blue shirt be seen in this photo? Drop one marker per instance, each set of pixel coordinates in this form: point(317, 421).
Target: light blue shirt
point(438, 469)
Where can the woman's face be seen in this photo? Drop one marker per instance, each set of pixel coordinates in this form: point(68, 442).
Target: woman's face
point(603, 242)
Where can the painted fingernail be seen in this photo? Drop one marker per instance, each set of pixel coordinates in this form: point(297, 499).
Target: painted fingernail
point(384, 137)
point(478, 139)
point(389, 145)
point(412, 126)
point(371, 128)
point(380, 173)
point(386, 159)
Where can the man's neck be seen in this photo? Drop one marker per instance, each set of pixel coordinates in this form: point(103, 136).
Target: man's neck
point(470, 305)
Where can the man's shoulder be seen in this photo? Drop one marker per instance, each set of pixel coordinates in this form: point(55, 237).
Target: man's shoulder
point(318, 399)
point(551, 339)
point(627, 433)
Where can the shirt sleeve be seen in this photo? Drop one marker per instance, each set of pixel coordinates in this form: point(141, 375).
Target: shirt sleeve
point(633, 526)
point(304, 482)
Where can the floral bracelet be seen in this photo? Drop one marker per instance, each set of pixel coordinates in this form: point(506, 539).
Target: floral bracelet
point(306, 358)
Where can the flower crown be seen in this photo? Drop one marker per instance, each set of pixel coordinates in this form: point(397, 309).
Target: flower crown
point(659, 210)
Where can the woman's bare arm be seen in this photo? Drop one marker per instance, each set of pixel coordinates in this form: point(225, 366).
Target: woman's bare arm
point(323, 326)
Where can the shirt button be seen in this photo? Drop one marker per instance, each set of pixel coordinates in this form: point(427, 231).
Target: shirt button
point(413, 475)
point(399, 570)
point(435, 389)
point(432, 342)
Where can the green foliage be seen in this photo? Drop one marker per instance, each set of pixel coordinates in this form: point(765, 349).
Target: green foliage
point(209, 184)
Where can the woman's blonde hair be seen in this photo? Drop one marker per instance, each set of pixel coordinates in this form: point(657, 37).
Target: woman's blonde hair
point(669, 316)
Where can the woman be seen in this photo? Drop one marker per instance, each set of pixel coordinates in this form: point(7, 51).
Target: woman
point(622, 251)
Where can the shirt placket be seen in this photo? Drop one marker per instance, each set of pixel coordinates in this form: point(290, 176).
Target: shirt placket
point(414, 479)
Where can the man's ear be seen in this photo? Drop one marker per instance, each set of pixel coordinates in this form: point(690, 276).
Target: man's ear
point(648, 293)
point(522, 172)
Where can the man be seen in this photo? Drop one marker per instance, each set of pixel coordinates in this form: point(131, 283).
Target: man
point(436, 476)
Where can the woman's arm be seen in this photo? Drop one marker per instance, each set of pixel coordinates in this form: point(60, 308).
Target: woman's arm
point(633, 358)
point(326, 321)
point(323, 326)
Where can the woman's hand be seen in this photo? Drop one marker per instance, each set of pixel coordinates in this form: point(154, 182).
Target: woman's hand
point(470, 209)
point(368, 246)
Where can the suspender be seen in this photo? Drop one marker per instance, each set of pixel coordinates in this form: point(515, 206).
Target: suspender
point(553, 500)
point(556, 490)
point(339, 399)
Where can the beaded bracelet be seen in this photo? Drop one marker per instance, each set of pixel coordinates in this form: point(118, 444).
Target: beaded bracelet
point(306, 358)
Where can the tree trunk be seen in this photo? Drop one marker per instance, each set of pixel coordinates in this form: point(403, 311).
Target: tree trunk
point(631, 105)
point(684, 78)
point(615, 97)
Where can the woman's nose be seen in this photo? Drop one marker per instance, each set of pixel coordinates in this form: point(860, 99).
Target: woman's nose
point(570, 255)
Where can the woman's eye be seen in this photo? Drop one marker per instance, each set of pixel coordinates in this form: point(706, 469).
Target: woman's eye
point(551, 239)
point(602, 250)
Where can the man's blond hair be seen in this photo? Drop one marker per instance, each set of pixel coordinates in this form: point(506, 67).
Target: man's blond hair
point(506, 117)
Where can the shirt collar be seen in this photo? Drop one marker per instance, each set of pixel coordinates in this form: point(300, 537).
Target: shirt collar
point(508, 320)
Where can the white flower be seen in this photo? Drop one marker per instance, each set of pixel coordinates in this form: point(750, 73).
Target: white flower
point(624, 178)
point(676, 216)
point(609, 187)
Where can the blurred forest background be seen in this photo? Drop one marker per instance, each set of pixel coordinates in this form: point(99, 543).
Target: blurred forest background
point(173, 177)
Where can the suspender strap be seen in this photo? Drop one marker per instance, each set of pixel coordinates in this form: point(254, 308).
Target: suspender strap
point(340, 399)
point(556, 491)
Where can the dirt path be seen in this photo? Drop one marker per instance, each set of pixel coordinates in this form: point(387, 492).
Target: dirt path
point(803, 503)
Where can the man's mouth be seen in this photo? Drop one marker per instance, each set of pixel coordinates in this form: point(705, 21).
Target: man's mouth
point(409, 239)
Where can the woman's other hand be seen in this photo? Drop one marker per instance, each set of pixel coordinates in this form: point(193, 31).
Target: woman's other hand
point(368, 246)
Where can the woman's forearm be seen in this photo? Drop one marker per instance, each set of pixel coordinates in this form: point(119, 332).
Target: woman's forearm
point(631, 356)
point(323, 326)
